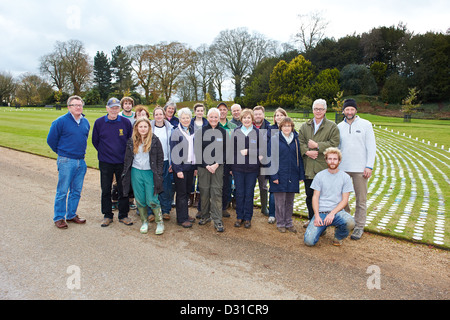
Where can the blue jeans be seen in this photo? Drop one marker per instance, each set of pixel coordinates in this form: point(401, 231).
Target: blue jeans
point(343, 222)
point(166, 197)
point(245, 184)
point(271, 205)
point(71, 174)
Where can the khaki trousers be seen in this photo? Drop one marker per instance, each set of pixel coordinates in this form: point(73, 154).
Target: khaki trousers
point(360, 186)
point(210, 186)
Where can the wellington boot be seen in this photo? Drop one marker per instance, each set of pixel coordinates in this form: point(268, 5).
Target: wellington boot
point(159, 228)
point(144, 227)
point(263, 196)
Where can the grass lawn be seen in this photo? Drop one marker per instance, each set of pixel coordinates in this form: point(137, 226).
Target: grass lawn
point(407, 192)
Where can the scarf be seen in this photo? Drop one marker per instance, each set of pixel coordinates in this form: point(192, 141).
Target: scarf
point(289, 138)
point(190, 140)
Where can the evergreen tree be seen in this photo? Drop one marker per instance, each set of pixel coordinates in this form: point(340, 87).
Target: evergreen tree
point(102, 75)
point(122, 71)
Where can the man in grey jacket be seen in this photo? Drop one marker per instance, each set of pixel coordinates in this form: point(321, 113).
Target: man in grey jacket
point(358, 147)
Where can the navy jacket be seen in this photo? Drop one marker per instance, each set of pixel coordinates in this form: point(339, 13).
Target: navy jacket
point(205, 122)
point(290, 170)
point(210, 145)
point(174, 121)
point(178, 141)
point(250, 162)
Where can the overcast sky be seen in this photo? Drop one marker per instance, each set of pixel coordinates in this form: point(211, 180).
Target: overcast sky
point(30, 28)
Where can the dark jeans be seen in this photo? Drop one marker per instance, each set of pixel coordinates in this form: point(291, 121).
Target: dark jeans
point(226, 189)
point(245, 184)
point(107, 171)
point(309, 195)
point(183, 190)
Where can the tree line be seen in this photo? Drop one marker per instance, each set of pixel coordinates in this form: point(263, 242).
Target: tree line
point(386, 61)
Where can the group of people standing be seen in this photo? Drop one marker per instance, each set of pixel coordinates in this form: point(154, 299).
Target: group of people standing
point(186, 154)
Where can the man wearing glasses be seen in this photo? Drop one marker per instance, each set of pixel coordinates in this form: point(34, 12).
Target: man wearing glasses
point(315, 136)
point(67, 137)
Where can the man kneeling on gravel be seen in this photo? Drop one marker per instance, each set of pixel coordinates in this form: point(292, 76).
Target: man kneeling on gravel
point(332, 189)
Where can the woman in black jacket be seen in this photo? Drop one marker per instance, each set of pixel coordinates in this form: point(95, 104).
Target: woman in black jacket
point(143, 170)
point(183, 165)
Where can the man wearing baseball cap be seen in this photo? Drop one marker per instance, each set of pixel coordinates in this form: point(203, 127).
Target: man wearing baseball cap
point(358, 147)
point(109, 136)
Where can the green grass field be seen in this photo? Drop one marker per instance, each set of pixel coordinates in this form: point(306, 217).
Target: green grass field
point(407, 193)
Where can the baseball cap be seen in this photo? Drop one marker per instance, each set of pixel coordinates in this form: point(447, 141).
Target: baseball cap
point(113, 102)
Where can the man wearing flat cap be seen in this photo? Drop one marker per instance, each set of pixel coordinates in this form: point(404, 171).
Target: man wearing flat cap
point(358, 147)
point(109, 136)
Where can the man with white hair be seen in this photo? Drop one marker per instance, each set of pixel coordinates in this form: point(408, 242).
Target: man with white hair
point(210, 143)
point(315, 136)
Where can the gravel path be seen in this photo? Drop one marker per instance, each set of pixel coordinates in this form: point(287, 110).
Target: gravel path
point(39, 261)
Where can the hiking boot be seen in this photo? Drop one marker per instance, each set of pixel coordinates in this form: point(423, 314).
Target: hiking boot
point(271, 220)
point(357, 234)
point(247, 224)
point(238, 223)
point(225, 213)
point(186, 224)
point(219, 227)
point(281, 229)
point(204, 221)
point(126, 221)
point(292, 229)
point(337, 242)
point(159, 228)
point(106, 222)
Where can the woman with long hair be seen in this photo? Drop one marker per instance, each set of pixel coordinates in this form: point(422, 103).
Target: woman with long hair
point(143, 169)
point(163, 130)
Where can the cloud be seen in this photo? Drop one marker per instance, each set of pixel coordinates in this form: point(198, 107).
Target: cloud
point(29, 29)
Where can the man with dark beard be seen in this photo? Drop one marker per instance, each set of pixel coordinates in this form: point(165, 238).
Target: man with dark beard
point(358, 146)
point(332, 189)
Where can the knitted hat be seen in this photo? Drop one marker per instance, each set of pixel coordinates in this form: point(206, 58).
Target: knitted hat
point(349, 103)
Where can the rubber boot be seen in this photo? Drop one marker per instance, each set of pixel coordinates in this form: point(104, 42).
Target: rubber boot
point(144, 215)
point(263, 197)
point(159, 221)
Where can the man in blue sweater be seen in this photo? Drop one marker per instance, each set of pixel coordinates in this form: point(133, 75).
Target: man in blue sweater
point(68, 139)
point(109, 137)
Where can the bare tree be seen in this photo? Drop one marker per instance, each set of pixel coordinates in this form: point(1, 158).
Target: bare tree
point(204, 67)
point(218, 70)
point(235, 49)
point(32, 89)
point(143, 64)
point(241, 52)
point(68, 64)
point(7, 87)
point(311, 31)
point(170, 61)
point(77, 64)
point(53, 67)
